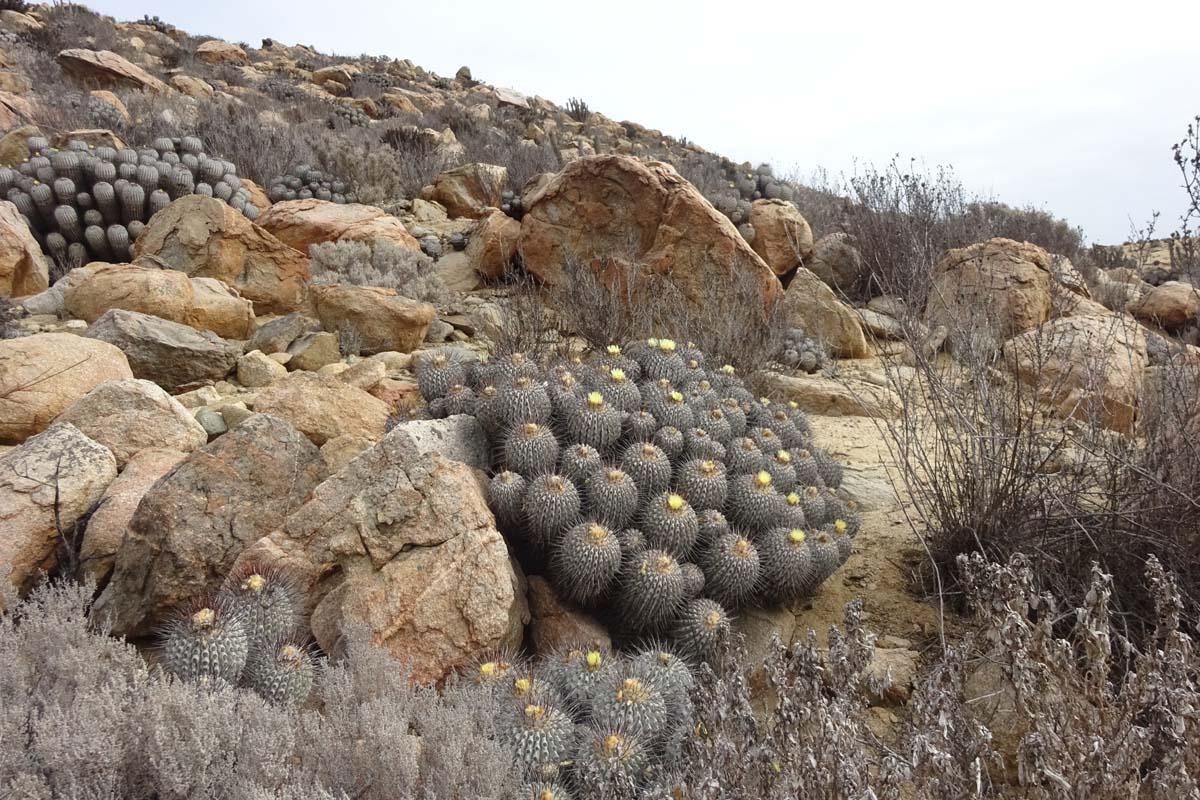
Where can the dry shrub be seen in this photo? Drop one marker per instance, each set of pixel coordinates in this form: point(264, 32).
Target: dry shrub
point(82, 716)
point(619, 300)
point(383, 264)
point(69, 25)
point(991, 469)
point(378, 173)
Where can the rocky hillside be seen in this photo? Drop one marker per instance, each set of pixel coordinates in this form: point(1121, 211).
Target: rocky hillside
point(309, 361)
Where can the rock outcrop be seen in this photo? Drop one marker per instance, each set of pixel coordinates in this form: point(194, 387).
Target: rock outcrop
point(23, 268)
point(191, 525)
point(206, 238)
point(303, 223)
point(201, 303)
point(128, 416)
point(46, 485)
point(42, 375)
point(403, 543)
point(170, 354)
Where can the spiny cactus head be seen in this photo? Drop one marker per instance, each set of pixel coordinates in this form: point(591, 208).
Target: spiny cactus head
point(522, 382)
point(667, 345)
point(852, 505)
point(518, 358)
point(708, 468)
point(597, 533)
point(595, 401)
point(617, 376)
point(743, 548)
point(675, 503)
point(633, 690)
point(594, 660)
point(613, 350)
point(812, 491)
point(840, 525)
point(783, 457)
point(762, 479)
point(796, 536)
point(675, 398)
point(803, 454)
point(530, 429)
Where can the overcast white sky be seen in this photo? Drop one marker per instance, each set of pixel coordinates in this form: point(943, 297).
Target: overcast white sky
point(1069, 106)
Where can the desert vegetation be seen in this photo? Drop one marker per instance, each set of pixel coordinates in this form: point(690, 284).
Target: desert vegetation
point(370, 433)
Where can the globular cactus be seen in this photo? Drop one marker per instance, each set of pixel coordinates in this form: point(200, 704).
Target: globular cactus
point(267, 599)
point(612, 358)
point(662, 361)
point(133, 202)
point(530, 449)
point(743, 457)
point(670, 440)
point(639, 426)
point(783, 474)
point(303, 182)
point(703, 624)
point(66, 218)
point(621, 391)
point(523, 399)
point(793, 512)
point(625, 700)
point(830, 469)
point(579, 461)
point(714, 422)
point(611, 756)
point(698, 444)
point(576, 670)
point(845, 544)
point(826, 556)
point(753, 502)
point(805, 466)
point(543, 790)
point(732, 567)
point(713, 525)
point(703, 483)
point(789, 570)
point(587, 560)
point(594, 422)
point(669, 523)
point(282, 672)
point(693, 580)
point(612, 496)
point(813, 504)
point(648, 466)
point(552, 504)
point(670, 408)
point(652, 590)
point(206, 643)
point(541, 737)
point(506, 498)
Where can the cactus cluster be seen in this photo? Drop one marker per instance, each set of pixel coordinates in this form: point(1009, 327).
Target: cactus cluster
point(584, 720)
point(343, 116)
point(86, 203)
point(281, 89)
point(249, 633)
point(305, 182)
point(510, 203)
point(654, 490)
point(803, 352)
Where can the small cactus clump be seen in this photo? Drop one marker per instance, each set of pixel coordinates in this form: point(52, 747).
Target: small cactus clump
point(305, 182)
point(206, 643)
point(282, 672)
point(644, 479)
point(541, 736)
point(803, 352)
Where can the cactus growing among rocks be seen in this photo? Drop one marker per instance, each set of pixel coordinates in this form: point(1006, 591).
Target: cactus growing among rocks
point(206, 643)
point(305, 182)
point(56, 190)
point(636, 517)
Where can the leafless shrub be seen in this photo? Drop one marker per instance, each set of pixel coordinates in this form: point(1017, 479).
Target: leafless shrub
point(618, 299)
point(1185, 242)
point(523, 158)
point(384, 264)
point(70, 25)
point(378, 174)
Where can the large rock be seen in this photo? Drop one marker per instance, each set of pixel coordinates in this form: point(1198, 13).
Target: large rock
point(41, 375)
point(108, 524)
point(556, 623)
point(616, 210)
point(170, 354)
point(383, 319)
point(323, 407)
point(23, 268)
point(46, 485)
point(106, 69)
point(493, 245)
point(303, 223)
point(201, 303)
point(208, 239)
point(782, 237)
point(1085, 367)
point(275, 336)
point(128, 416)
point(458, 438)
point(215, 51)
point(837, 262)
point(1171, 305)
point(998, 287)
point(811, 305)
point(403, 542)
point(828, 397)
point(469, 190)
point(192, 523)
